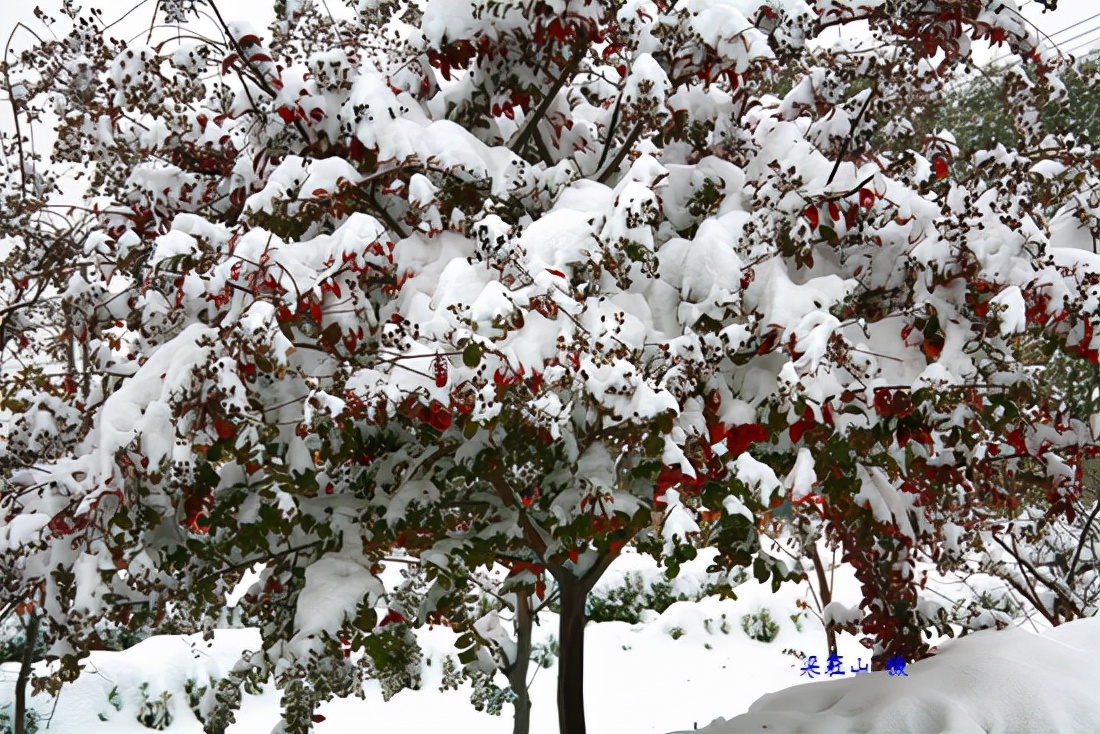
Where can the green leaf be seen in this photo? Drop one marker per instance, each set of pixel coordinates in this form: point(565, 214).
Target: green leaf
point(471, 355)
point(707, 324)
point(265, 365)
point(828, 234)
point(288, 331)
point(760, 570)
point(366, 618)
point(467, 656)
point(465, 640)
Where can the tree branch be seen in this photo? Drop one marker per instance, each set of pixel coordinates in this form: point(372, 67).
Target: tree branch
point(1014, 551)
point(30, 639)
point(258, 75)
point(529, 127)
point(631, 138)
point(1081, 544)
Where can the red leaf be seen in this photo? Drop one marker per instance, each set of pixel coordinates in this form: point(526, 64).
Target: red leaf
point(223, 428)
point(439, 370)
point(834, 211)
point(1015, 439)
point(739, 438)
point(882, 402)
point(892, 402)
point(228, 62)
point(714, 400)
point(866, 198)
point(850, 215)
point(558, 273)
point(59, 525)
point(939, 167)
point(392, 617)
point(250, 39)
point(318, 718)
point(286, 113)
point(812, 214)
point(932, 347)
point(439, 416)
point(557, 30)
point(519, 567)
point(502, 378)
point(767, 344)
point(803, 424)
point(356, 150)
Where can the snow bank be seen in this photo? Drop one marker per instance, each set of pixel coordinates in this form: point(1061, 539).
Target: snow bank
point(991, 681)
point(117, 687)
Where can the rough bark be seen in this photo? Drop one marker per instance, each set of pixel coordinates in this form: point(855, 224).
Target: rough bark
point(517, 669)
point(571, 661)
point(30, 640)
point(826, 597)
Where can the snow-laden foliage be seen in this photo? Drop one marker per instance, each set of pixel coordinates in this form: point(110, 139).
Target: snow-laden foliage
point(522, 283)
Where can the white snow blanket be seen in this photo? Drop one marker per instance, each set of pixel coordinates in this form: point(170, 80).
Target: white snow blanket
point(992, 681)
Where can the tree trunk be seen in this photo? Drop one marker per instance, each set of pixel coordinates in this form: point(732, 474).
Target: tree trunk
point(517, 670)
point(571, 659)
point(30, 634)
point(826, 598)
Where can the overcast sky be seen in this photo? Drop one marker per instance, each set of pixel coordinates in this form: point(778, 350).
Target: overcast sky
point(1074, 26)
point(1069, 13)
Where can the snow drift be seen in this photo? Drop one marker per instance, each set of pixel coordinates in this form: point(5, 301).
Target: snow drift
point(991, 681)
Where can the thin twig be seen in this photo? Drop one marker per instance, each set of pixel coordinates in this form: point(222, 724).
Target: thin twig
point(631, 138)
point(848, 140)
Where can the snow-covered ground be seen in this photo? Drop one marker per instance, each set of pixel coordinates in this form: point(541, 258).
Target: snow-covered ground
point(675, 671)
point(992, 681)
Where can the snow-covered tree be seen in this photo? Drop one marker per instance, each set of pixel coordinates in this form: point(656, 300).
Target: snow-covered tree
point(521, 283)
